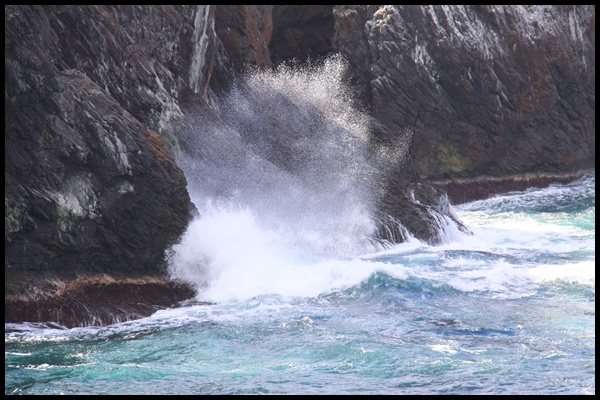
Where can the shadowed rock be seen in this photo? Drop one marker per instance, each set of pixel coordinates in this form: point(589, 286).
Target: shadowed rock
point(103, 102)
point(489, 91)
point(91, 189)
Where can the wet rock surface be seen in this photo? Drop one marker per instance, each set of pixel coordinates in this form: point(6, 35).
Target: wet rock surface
point(488, 90)
point(101, 103)
point(98, 301)
point(90, 185)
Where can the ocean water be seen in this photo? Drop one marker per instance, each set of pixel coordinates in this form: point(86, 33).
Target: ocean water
point(507, 310)
point(294, 297)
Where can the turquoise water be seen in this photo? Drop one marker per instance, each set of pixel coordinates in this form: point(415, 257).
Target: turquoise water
point(508, 310)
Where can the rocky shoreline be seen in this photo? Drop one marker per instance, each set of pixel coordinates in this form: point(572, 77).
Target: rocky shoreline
point(96, 301)
point(471, 189)
point(467, 100)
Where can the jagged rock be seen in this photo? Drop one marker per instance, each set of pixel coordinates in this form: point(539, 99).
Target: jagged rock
point(103, 105)
point(90, 186)
point(496, 91)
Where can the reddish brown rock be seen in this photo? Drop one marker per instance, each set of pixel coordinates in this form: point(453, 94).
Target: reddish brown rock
point(96, 301)
point(462, 190)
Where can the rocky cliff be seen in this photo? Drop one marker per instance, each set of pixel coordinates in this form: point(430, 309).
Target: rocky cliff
point(500, 97)
point(93, 196)
point(103, 105)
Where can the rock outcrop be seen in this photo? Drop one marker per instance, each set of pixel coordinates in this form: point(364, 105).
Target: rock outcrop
point(104, 105)
point(499, 92)
point(91, 189)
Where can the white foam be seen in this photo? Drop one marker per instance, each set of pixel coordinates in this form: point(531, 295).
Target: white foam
point(582, 273)
point(230, 256)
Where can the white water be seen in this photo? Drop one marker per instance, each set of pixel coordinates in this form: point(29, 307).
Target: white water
point(508, 310)
point(275, 205)
point(304, 303)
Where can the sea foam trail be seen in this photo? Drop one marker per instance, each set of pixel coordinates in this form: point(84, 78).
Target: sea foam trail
point(230, 256)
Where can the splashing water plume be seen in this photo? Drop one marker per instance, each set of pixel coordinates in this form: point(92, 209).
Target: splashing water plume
point(284, 175)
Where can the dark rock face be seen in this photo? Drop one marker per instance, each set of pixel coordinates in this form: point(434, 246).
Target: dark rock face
point(99, 190)
point(301, 32)
point(102, 105)
point(243, 33)
point(90, 186)
point(489, 90)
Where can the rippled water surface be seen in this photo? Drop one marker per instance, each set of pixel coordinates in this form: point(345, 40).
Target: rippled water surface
point(508, 310)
